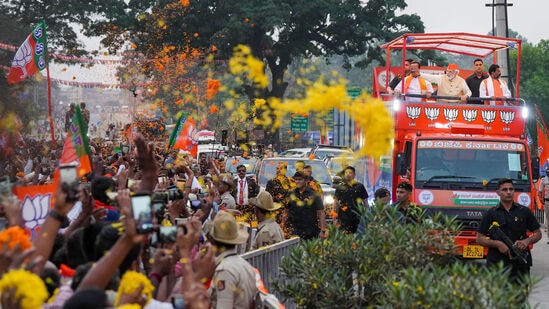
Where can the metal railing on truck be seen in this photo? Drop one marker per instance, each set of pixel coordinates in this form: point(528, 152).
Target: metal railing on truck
point(267, 260)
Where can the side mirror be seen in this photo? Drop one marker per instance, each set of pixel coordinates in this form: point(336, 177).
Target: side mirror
point(401, 164)
point(534, 165)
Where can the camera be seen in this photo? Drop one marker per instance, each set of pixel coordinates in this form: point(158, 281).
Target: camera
point(171, 194)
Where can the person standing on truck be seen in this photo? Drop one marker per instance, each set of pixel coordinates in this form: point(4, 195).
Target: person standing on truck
point(397, 79)
point(406, 210)
point(494, 87)
point(415, 84)
point(514, 220)
point(544, 196)
point(473, 81)
point(348, 196)
point(450, 84)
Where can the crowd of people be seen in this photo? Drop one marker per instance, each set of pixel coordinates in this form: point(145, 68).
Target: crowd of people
point(96, 249)
point(102, 229)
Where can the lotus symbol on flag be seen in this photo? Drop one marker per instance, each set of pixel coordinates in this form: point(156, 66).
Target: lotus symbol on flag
point(451, 114)
point(469, 114)
point(507, 118)
point(413, 113)
point(35, 210)
point(488, 116)
point(432, 114)
point(22, 57)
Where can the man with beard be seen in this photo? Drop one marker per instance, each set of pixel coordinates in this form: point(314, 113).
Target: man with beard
point(450, 84)
point(494, 87)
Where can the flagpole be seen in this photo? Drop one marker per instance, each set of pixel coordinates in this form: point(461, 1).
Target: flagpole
point(50, 113)
point(50, 116)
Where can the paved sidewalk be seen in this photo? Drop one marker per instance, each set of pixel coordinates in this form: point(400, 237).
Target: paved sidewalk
point(539, 298)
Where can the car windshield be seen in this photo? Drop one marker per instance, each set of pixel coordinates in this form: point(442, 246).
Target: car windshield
point(268, 170)
point(322, 153)
point(470, 161)
point(233, 162)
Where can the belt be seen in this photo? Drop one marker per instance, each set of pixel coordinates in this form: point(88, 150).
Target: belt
point(547, 199)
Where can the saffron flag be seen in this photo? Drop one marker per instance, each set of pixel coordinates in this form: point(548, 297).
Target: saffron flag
point(76, 148)
point(543, 138)
point(177, 129)
point(187, 137)
point(31, 56)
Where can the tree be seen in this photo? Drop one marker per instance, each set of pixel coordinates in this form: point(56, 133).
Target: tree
point(276, 31)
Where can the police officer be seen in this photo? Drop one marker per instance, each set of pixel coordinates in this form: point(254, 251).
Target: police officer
point(233, 283)
point(268, 231)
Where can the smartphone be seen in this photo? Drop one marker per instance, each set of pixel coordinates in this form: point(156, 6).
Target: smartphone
point(167, 234)
point(142, 213)
point(68, 174)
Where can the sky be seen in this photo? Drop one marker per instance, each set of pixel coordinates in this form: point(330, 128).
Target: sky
point(527, 17)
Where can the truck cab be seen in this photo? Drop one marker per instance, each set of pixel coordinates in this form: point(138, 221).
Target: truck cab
point(454, 153)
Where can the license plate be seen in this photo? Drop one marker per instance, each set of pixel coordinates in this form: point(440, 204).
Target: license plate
point(473, 252)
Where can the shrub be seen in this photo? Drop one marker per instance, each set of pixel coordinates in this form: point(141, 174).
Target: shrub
point(392, 265)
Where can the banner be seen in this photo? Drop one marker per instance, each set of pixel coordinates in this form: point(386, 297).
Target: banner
point(36, 201)
point(31, 56)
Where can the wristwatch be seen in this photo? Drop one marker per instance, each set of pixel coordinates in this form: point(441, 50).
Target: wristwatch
point(57, 216)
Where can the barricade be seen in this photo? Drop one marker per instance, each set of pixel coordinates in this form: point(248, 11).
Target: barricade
point(268, 259)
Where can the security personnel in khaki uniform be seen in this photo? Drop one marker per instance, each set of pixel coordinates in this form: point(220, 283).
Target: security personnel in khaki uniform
point(233, 283)
point(268, 231)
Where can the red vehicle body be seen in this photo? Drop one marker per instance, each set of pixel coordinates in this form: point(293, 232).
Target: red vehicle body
point(453, 154)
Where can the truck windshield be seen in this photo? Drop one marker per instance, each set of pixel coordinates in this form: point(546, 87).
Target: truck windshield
point(469, 161)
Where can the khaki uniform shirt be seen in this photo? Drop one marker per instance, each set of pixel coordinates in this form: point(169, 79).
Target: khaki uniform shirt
point(268, 233)
point(233, 283)
point(228, 200)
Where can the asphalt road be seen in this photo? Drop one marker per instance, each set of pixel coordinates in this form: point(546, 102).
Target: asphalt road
point(539, 298)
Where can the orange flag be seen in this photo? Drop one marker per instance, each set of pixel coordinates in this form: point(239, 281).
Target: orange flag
point(188, 138)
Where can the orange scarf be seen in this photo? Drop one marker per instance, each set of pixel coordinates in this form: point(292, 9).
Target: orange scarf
point(422, 85)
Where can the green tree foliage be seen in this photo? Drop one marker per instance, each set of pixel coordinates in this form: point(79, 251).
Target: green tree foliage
point(60, 15)
point(276, 31)
point(392, 265)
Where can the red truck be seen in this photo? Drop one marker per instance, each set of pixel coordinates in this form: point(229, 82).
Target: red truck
point(453, 154)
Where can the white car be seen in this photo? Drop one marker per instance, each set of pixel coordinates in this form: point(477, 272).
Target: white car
point(295, 153)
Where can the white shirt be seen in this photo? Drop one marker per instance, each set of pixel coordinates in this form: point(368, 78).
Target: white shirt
point(414, 88)
point(242, 185)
